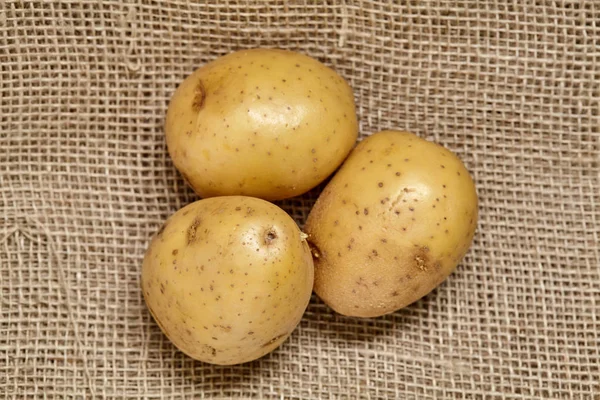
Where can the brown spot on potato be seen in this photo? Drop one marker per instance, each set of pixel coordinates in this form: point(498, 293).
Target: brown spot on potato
point(193, 230)
point(421, 258)
point(420, 262)
point(269, 236)
point(209, 349)
point(225, 328)
point(199, 96)
point(366, 211)
point(361, 282)
point(174, 252)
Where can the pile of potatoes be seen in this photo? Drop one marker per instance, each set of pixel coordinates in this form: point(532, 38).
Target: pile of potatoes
point(228, 278)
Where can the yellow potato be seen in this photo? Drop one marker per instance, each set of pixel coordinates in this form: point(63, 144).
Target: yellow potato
point(265, 123)
point(228, 278)
point(391, 225)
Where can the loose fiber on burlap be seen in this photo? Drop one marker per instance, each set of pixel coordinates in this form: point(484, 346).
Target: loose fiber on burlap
point(513, 87)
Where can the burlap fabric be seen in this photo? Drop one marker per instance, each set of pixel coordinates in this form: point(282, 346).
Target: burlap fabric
point(513, 87)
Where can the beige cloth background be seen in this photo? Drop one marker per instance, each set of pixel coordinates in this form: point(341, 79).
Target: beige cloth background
point(512, 86)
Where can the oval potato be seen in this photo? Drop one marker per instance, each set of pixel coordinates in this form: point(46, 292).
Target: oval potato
point(391, 225)
point(265, 123)
point(228, 278)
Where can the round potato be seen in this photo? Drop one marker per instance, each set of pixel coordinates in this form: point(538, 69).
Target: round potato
point(227, 279)
point(264, 123)
point(391, 225)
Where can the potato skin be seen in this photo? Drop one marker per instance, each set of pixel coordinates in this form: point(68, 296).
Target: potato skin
point(228, 278)
point(391, 225)
point(265, 123)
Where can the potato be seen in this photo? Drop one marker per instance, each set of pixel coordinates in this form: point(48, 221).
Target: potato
point(227, 279)
point(391, 225)
point(264, 123)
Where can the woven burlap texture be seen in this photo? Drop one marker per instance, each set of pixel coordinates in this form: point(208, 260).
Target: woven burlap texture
point(512, 87)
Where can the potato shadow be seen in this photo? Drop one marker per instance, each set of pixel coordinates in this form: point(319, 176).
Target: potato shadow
point(299, 207)
point(337, 327)
point(232, 380)
point(321, 328)
point(224, 380)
